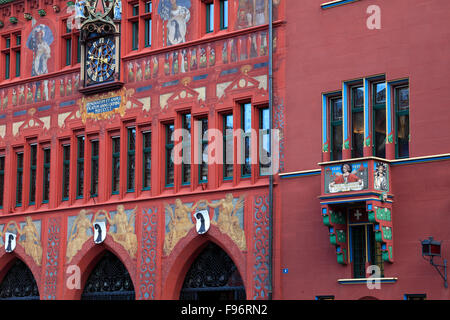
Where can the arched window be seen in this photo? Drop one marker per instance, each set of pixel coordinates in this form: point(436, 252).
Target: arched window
point(213, 276)
point(19, 284)
point(109, 280)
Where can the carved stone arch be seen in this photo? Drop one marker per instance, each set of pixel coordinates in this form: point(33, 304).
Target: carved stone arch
point(88, 257)
point(179, 261)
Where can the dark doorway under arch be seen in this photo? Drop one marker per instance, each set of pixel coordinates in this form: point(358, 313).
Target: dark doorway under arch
point(213, 276)
point(19, 283)
point(109, 280)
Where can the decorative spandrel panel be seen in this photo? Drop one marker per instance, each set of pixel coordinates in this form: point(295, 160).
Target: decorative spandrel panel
point(227, 214)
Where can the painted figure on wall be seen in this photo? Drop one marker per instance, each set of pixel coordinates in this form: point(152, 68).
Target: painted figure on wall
point(228, 221)
point(124, 229)
point(79, 234)
point(349, 178)
point(177, 15)
point(39, 41)
point(29, 237)
point(31, 240)
point(179, 225)
point(380, 177)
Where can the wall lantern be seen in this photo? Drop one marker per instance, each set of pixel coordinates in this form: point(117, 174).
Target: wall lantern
point(430, 249)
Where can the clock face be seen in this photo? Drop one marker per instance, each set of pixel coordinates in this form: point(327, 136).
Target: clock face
point(101, 60)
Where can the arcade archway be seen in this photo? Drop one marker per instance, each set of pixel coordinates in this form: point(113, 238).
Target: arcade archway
point(19, 283)
point(213, 276)
point(109, 280)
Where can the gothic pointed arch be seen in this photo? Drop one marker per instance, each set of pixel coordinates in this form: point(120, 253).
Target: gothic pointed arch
point(19, 283)
point(109, 280)
point(213, 276)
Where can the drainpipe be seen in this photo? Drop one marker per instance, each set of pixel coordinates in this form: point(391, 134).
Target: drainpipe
point(270, 293)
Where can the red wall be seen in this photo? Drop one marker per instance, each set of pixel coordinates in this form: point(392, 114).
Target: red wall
point(325, 48)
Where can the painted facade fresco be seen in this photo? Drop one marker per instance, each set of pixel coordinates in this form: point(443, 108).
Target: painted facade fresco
point(39, 42)
point(143, 227)
point(226, 214)
point(346, 177)
point(176, 15)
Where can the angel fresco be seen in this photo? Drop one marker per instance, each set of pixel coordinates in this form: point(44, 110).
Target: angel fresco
point(180, 223)
point(124, 227)
point(79, 234)
point(177, 15)
point(228, 221)
point(29, 238)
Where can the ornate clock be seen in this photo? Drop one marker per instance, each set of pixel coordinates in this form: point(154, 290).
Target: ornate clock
point(100, 43)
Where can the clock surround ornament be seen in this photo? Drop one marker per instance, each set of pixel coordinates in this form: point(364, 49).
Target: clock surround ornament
point(100, 45)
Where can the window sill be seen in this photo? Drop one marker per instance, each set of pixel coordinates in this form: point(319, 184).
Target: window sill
point(367, 280)
point(336, 3)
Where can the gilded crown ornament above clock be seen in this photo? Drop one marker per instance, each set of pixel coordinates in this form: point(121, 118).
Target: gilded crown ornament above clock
point(100, 44)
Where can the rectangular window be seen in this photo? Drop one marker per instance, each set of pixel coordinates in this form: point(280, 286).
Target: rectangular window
point(365, 250)
point(168, 155)
point(19, 185)
point(94, 168)
point(228, 149)
point(323, 298)
point(336, 128)
point(66, 173)
point(131, 154)
point(135, 35)
point(148, 32)
point(358, 239)
point(68, 52)
point(10, 47)
point(416, 297)
point(136, 10)
point(71, 49)
point(379, 119)
point(33, 163)
point(264, 142)
point(7, 65)
point(46, 178)
point(186, 162)
point(209, 17)
point(223, 14)
point(147, 161)
point(357, 121)
point(246, 118)
point(17, 63)
point(148, 7)
point(203, 144)
point(2, 179)
point(115, 165)
point(80, 167)
point(402, 121)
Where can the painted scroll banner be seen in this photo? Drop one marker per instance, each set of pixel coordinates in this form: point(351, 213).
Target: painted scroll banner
point(103, 105)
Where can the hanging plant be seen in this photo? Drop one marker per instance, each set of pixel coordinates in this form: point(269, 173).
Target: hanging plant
point(27, 16)
point(13, 20)
point(70, 3)
point(42, 12)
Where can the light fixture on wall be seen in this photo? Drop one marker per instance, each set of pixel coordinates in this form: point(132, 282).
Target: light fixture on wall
point(430, 249)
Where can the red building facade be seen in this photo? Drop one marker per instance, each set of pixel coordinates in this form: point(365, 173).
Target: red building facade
point(90, 191)
point(365, 184)
point(75, 157)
